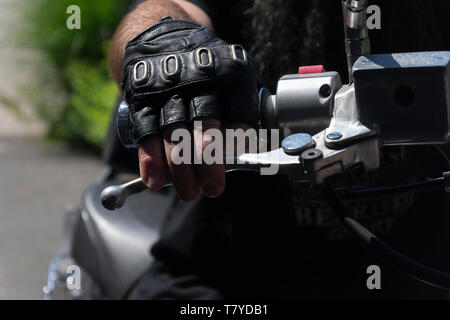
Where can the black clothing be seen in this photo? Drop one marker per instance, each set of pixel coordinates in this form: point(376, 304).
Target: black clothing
point(260, 239)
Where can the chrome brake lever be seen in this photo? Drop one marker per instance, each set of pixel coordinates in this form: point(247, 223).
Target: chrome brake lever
point(114, 197)
point(313, 164)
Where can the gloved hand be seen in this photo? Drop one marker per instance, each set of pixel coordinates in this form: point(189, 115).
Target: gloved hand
point(176, 72)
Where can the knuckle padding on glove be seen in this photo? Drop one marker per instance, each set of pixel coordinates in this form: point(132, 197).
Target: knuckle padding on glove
point(183, 66)
point(186, 72)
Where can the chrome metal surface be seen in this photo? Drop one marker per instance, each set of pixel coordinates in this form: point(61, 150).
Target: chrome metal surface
point(168, 74)
point(145, 74)
point(198, 58)
point(114, 197)
point(346, 120)
point(300, 106)
point(124, 126)
point(357, 41)
point(234, 54)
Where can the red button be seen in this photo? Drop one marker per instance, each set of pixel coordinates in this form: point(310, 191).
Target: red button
point(311, 69)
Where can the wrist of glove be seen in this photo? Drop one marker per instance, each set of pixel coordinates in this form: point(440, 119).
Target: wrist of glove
point(178, 71)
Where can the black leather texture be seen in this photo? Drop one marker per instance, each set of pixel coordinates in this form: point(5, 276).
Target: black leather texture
point(178, 71)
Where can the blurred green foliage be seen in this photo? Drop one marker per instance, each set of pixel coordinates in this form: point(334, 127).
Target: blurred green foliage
point(79, 57)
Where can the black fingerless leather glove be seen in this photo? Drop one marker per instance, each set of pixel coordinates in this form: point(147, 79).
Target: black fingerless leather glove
point(178, 71)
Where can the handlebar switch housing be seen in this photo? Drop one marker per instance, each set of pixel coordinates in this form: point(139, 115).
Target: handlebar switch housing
point(305, 102)
point(406, 95)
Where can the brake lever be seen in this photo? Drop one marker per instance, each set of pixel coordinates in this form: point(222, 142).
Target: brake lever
point(302, 158)
point(114, 197)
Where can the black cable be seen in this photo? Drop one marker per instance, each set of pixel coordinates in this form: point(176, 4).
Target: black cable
point(400, 262)
point(429, 185)
point(437, 184)
point(439, 149)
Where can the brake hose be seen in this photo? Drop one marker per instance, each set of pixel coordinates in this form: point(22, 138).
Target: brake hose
point(392, 257)
point(429, 185)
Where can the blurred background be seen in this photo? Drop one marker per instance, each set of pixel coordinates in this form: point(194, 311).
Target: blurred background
point(56, 100)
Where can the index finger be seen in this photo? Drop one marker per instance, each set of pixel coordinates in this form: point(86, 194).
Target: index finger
point(151, 163)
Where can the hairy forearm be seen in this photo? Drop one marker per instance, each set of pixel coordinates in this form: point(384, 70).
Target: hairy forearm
point(143, 16)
